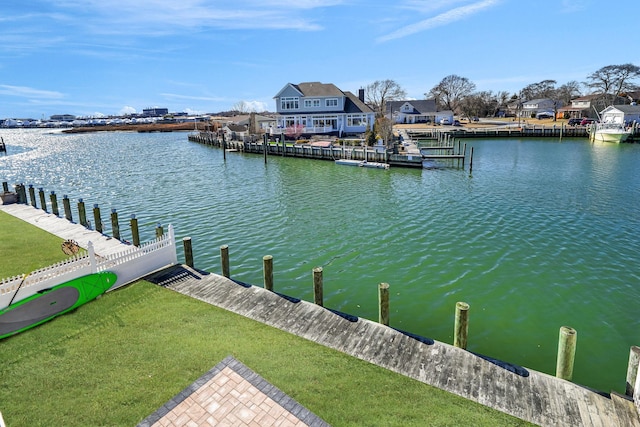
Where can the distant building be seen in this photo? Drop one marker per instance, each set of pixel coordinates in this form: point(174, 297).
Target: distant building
point(63, 117)
point(415, 111)
point(155, 112)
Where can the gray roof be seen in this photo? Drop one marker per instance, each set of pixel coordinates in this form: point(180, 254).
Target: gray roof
point(318, 89)
point(353, 104)
point(628, 108)
point(420, 106)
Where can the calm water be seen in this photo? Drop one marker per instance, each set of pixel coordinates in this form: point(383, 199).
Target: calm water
point(542, 234)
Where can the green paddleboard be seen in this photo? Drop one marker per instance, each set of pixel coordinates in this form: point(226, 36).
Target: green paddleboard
point(52, 302)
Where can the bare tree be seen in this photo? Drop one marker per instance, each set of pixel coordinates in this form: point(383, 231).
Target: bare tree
point(543, 89)
point(241, 107)
point(568, 91)
point(379, 92)
point(451, 90)
point(480, 104)
point(613, 79)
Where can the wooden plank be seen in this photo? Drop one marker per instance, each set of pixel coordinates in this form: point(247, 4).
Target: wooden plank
point(625, 410)
point(539, 398)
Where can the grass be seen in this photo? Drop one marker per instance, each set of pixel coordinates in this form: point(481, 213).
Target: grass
point(116, 360)
point(26, 248)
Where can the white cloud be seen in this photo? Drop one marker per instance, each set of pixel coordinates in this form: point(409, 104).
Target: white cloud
point(28, 92)
point(255, 106)
point(170, 16)
point(174, 96)
point(445, 18)
point(126, 110)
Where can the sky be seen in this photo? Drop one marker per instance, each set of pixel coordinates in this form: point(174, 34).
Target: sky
point(93, 58)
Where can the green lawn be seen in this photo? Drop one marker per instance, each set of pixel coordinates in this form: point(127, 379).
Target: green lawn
point(116, 360)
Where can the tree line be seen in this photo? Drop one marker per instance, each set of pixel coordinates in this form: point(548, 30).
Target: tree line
point(459, 94)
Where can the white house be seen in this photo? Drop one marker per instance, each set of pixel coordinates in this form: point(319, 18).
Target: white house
point(537, 106)
point(417, 111)
point(321, 108)
point(626, 114)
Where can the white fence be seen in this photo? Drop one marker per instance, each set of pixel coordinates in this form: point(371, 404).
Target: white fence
point(129, 265)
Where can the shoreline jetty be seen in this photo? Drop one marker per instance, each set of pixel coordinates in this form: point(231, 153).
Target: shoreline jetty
point(527, 394)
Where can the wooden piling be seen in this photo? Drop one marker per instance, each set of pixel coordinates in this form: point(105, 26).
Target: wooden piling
point(224, 147)
point(115, 227)
point(32, 195)
point(566, 353)
point(96, 218)
point(82, 213)
point(135, 233)
point(632, 370)
point(461, 325)
point(188, 251)
point(22, 194)
point(383, 303)
point(43, 202)
point(224, 260)
point(471, 160)
point(267, 262)
point(317, 286)
point(464, 154)
point(264, 147)
point(67, 208)
point(54, 203)
point(159, 231)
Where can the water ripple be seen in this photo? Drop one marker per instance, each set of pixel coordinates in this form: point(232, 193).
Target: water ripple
point(542, 234)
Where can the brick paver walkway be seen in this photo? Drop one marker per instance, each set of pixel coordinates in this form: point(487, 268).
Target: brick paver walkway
point(232, 395)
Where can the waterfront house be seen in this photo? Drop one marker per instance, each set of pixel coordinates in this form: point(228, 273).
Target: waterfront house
point(235, 132)
point(261, 123)
point(321, 108)
point(626, 114)
point(535, 107)
point(413, 111)
point(580, 107)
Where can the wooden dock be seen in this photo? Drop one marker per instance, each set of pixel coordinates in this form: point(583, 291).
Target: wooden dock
point(529, 395)
point(532, 396)
point(308, 151)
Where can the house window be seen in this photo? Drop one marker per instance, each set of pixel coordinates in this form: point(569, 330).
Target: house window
point(331, 102)
point(289, 103)
point(309, 103)
point(356, 120)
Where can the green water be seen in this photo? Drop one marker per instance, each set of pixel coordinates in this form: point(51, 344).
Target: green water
point(542, 234)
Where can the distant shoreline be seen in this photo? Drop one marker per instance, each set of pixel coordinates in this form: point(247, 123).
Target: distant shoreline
point(147, 127)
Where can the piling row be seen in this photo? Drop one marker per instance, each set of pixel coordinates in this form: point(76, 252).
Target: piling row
point(567, 336)
point(28, 196)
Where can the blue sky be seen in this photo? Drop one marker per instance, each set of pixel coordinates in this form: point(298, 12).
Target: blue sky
point(105, 57)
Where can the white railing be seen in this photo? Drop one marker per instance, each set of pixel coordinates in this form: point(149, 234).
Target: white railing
point(129, 265)
point(311, 129)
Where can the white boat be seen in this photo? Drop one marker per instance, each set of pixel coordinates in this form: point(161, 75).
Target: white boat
point(348, 162)
point(362, 163)
point(375, 165)
point(609, 132)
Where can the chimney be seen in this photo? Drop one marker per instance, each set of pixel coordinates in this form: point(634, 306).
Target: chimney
point(361, 94)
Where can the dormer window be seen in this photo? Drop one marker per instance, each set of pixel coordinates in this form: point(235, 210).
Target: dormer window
point(331, 102)
point(309, 103)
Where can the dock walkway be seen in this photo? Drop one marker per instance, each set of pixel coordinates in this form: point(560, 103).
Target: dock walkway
point(532, 396)
point(526, 394)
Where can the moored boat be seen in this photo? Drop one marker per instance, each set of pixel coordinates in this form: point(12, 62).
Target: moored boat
point(362, 163)
point(609, 132)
